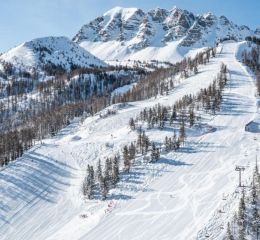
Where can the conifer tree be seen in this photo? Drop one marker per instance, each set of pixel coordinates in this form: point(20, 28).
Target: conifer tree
point(127, 161)
point(153, 153)
point(108, 171)
point(115, 170)
point(132, 123)
point(88, 184)
point(103, 188)
point(182, 132)
point(99, 171)
point(166, 144)
point(229, 233)
point(132, 151)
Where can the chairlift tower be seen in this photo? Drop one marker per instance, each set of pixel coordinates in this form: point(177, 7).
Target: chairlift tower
point(240, 169)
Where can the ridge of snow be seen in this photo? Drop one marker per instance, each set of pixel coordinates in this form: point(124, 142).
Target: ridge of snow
point(59, 51)
point(125, 12)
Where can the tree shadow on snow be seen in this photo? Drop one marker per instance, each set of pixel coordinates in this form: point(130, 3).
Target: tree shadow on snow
point(34, 177)
point(172, 162)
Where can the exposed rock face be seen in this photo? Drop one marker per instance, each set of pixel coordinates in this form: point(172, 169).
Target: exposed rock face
point(140, 28)
point(122, 32)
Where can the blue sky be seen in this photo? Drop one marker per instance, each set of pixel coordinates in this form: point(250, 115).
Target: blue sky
point(23, 20)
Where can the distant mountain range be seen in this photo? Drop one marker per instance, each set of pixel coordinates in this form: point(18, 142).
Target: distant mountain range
point(129, 33)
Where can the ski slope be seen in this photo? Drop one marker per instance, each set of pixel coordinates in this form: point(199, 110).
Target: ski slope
point(173, 199)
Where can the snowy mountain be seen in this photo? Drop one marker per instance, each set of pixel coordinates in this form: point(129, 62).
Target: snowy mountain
point(50, 51)
point(123, 153)
point(130, 33)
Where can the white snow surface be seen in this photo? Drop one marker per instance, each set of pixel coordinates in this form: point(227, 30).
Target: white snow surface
point(173, 199)
point(114, 50)
point(59, 51)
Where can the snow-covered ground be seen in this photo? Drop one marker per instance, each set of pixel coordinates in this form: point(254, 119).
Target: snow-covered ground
point(173, 199)
point(112, 50)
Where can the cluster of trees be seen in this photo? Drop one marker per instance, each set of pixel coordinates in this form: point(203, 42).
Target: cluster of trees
point(182, 113)
point(161, 81)
point(245, 221)
point(252, 60)
point(173, 143)
point(253, 39)
point(99, 182)
point(14, 143)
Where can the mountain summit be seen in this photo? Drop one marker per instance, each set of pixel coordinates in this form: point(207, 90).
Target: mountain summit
point(123, 32)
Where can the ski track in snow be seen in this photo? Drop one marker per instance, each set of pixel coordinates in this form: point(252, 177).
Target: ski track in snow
point(173, 199)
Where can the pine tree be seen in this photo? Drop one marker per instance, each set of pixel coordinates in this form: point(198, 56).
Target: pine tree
point(253, 193)
point(241, 210)
point(103, 188)
point(153, 153)
point(127, 161)
point(182, 132)
point(173, 115)
point(108, 171)
point(132, 151)
point(229, 233)
point(139, 140)
point(132, 123)
point(167, 144)
point(115, 170)
point(88, 184)
point(191, 116)
point(99, 171)
point(145, 142)
point(157, 154)
point(241, 233)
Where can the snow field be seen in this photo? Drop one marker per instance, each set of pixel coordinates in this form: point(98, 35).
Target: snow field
point(173, 199)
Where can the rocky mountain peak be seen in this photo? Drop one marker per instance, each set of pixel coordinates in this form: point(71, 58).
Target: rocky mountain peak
point(132, 30)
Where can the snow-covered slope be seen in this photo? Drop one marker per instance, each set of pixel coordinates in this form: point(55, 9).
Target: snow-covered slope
point(130, 33)
point(53, 51)
point(172, 199)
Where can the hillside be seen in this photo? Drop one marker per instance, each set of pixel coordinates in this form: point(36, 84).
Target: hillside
point(50, 52)
point(42, 191)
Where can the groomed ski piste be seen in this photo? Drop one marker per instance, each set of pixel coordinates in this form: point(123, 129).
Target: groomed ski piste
point(179, 197)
